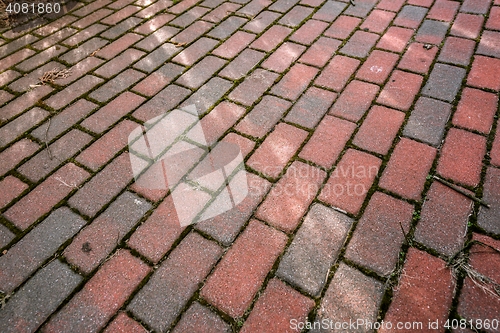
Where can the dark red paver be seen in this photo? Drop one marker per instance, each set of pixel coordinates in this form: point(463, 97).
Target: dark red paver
point(200, 319)
point(156, 235)
point(295, 81)
point(378, 237)
point(377, 67)
point(45, 196)
point(395, 39)
point(283, 57)
point(16, 153)
point(111, 113)
point(342, 27)
point(354, 100)
point(278, 306)
point(379, 129)
point(102, 296)
point(288, 200)
point(408, 167)
point(443, 220)
point(457, 51)
point(417, 58)
point(485, 73)
point(96, 241)
point(337, 72)
point(476, 110)
point(475, 303)
point(425, 295)
point(350, 181)
point(461, 157)
point(400, 91)
point(231, 288)
point(328, 141)
point(270, 161)
point(10, 188)
point(226, 226)
point(467, 25)
point(123, 323)
point(190, 263)
point(320, 52)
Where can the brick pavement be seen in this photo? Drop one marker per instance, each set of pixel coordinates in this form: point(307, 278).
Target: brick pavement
point(343, 114)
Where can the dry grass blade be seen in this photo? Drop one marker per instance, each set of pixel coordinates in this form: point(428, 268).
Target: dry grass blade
point(46, 141)
point(461, 191)
point(178, 44)
point(55, 74)
point(459, 264)
point(407, 238)
point(3, 300)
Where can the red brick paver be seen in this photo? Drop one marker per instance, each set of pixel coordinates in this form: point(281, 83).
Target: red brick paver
point(102, 296)
point(289, 198)
point(461, 157)
point(379, 129)
point(474, 303)
point(276, 308)
point(270, 161)
point(485, 73)
point(46, 195)
point(242, 284)
point(378, 236)
point(400, 90)
point(328, 141)
point(443, 219)
point(350, 181)
point(484, 105)
point(408, 168)
point(415, 299)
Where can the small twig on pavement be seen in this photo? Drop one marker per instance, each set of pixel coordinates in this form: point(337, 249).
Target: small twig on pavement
point(46, 141)
point(461, 191)
point(352, 2)
point(467, 246)
point(66, 184)
point(178, 44)
point(408, 241)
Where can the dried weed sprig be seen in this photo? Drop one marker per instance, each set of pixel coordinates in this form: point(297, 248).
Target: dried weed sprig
point(54, 74)
point(459, 264)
